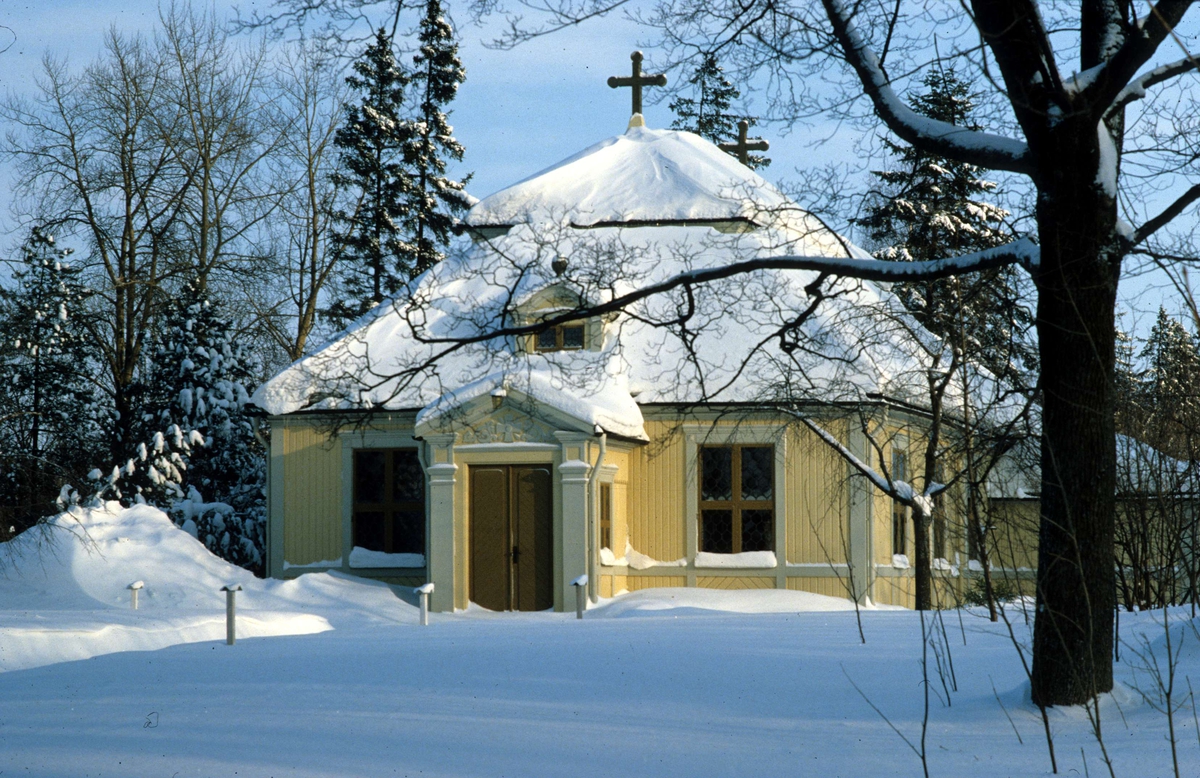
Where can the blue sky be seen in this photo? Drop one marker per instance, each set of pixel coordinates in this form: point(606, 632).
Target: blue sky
point(518, 112)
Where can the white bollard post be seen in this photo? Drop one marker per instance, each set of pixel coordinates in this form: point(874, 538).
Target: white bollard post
point(133, 592)
point(580, 585)
point(424, 590)
point(230, 613)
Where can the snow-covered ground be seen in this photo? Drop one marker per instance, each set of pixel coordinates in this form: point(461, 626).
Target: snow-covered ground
point(332, 676)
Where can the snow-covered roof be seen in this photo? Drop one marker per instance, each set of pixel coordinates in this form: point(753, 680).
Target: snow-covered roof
point(631, 211)
point(643, 175)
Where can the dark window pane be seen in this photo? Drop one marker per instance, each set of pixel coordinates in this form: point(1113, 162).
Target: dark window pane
point(572, 336)
point(368, 476)
point(408, 532)
point(368, 530)
point(546, 340)
point(757, 470)
point(716, 473)
point(899, 527)
point(758, 530)
point(408, 480)
point(716, 532)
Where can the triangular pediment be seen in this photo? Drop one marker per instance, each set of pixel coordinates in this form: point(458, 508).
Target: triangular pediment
point(507, 416)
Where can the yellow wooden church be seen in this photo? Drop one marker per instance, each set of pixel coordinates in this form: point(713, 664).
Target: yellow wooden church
point(652, 445)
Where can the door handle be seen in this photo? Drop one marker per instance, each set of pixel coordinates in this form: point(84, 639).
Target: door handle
point(516, 555)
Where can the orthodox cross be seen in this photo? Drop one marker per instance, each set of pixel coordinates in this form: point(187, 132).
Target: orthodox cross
point(743, 147)
point(637, 81)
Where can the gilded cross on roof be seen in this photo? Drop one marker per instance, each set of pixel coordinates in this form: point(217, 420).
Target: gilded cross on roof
point(743, 147)
point(637, 81)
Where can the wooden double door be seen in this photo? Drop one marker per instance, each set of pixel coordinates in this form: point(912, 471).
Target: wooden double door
point(512, 535)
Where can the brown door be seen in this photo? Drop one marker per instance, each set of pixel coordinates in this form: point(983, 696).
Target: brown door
point(511, 535)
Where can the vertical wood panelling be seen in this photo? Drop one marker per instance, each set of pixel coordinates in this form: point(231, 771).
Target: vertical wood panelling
point(313, 498)
point(817, 499)
point(620, 499)
point(895, 591)
point(656, 521)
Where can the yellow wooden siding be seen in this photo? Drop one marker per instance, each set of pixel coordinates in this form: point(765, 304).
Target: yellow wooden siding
point(734, 582)
point(896, 591)
point(830, 587)
point(656, 499)
point(1014, 534)
point(817, 499)
point(620, 499)
point(312, 502)
point(635, 582)
point(612, 585)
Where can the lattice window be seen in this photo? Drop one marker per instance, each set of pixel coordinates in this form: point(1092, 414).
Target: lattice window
point(389, 501)
point(899, 509)
point(737, 498)
point(561, 337)
point(606, 516)
point(939, 517)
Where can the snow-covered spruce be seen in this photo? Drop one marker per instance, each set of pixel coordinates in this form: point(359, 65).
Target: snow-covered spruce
point(48, 426)
point(202, 461)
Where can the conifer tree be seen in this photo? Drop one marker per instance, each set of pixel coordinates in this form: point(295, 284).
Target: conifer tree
point(1170, 386)
point(367, 237)
point(47, 426)
point(205, 376)
point(930, 207)
point(434, 198)
point(203, 462)
point(707, 114)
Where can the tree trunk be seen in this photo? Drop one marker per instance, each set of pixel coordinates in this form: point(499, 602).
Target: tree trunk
point(1077, 287)
point(921, 560)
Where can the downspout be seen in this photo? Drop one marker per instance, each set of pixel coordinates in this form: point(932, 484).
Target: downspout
point(594, 504)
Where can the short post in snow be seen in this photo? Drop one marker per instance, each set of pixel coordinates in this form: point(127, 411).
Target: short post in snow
point(231, 613)
point(134, 588)
point(424, 591)
point(580, 585)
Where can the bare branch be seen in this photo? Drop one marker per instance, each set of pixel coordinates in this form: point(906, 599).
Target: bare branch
point(1164, 217)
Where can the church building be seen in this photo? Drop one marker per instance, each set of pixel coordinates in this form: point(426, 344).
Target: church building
point(649, 444)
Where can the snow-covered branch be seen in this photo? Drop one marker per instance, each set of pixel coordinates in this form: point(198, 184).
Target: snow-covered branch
point(897, 490)
point(1115, 78)
point(986, 150)
point(1022, 252)
point(1136, 89)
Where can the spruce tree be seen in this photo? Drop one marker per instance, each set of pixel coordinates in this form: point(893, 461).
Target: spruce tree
point(47, 426)
point(434, 198)
point(707, 114)
point(374, 257)
point(205, 376)
point(1170, 386)
point(203, 463)
point(930, 207)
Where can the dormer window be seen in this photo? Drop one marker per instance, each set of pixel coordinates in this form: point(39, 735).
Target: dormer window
point(561, 337)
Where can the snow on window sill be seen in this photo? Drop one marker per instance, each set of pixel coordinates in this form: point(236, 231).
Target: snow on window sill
point(323, 564)
point(900, 562)
point(635, 559)
point(362, 558)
